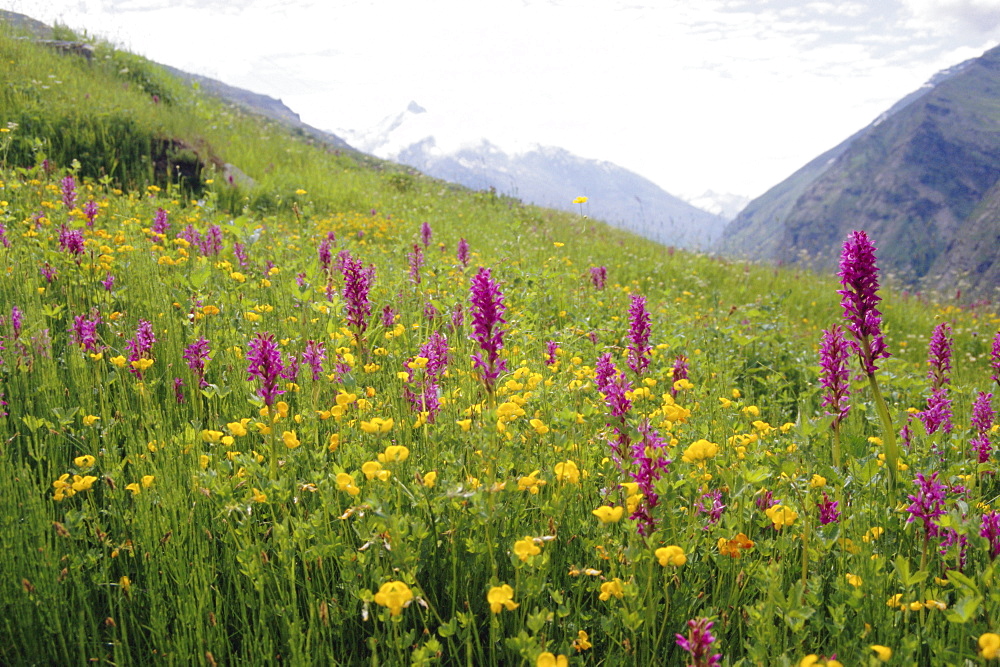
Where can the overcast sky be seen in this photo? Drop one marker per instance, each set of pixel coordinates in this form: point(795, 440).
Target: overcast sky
point(728, 95)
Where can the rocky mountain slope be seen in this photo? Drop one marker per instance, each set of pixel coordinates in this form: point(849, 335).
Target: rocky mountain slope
point(922, 179)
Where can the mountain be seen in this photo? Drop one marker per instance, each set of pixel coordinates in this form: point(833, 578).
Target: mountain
point(922, 180)
point(542, 175)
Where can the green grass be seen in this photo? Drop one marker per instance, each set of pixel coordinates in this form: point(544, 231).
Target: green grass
point(186, 548)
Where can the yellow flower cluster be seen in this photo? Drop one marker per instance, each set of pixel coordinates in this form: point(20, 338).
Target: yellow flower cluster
point(394, 595)
point(66, 487)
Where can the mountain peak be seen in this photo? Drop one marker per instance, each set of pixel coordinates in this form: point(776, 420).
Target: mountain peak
point(415, 108)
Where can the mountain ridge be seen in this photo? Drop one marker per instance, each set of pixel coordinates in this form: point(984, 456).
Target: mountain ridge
point(542, 175)
point(913, 179)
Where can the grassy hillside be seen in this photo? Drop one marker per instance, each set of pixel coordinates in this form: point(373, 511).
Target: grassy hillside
point(245, 426)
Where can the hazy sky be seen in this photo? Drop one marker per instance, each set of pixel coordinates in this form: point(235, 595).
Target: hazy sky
point(729, 95)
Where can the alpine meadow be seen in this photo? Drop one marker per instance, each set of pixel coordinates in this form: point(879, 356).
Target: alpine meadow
point(266, 400)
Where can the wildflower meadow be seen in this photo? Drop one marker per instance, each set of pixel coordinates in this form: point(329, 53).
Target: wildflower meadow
point(384, 421)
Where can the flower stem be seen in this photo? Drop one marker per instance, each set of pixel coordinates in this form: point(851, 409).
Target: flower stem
point(888, 435)
point(836, 444)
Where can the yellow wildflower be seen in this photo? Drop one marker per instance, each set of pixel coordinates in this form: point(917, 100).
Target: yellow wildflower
point(530, 483)
point(345, 482)
point(500, 597)
point(85, 461)
point(373, 469)
point(394, 453)
point(699, 451)
point(671, 555)
point(567, 472)
point(613, 587)
point(989, 645)
point(290, 439)
point(582, 641)
point(781, 515)
point(526, 548)
point(607, 514)
point(548, 659)
point(883, 653)
point(394, 595)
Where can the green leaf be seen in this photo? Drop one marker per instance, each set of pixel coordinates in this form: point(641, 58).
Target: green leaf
point(964, 610)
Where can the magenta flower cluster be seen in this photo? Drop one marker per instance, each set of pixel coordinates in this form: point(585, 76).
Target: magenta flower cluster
point(834, 373)
point(638, 335)
point(71, 240)
point(598, 276)
point(264, 364)
point(85, 332)
point(614, 386)
point(928, 503)
point(416, 260)
point(487, 310)
point(69, 192)
point(196, 356)
point(314, 355)
point(938, 412)
point(358, 282)
point(462, 252)
point(161, 222)
point(424, 394)
point(860, 299)
point(141, 345)
point(990, 529)
point(91, 209)
point(982, 422)
point(698, 644)
point(648, 465)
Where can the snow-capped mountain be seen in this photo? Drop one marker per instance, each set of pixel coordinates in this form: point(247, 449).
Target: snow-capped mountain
point(541, 175)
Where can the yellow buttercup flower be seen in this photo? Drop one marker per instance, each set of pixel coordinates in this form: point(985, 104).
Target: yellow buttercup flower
point(258, 496)
point(394, 595)
point(547, 659)
point(466, 424)
point(539, 426)
point(530, 483)
point(85, 461)
point(345, 482)
point(430, 479)
point(854, 580)
point(373, 469)
point(671, 555)
point(608, 514)
point(376, 425)
point(290, 439)
point(394, 453)
point(613, 587)
point(700, 451)
point(567, 472)
point(883, 653)
point(526, 548)
point(781, 515)
point(500, 597)
point(582, 641)
point(90, 419)
point(989, 645)
point(142, 364)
